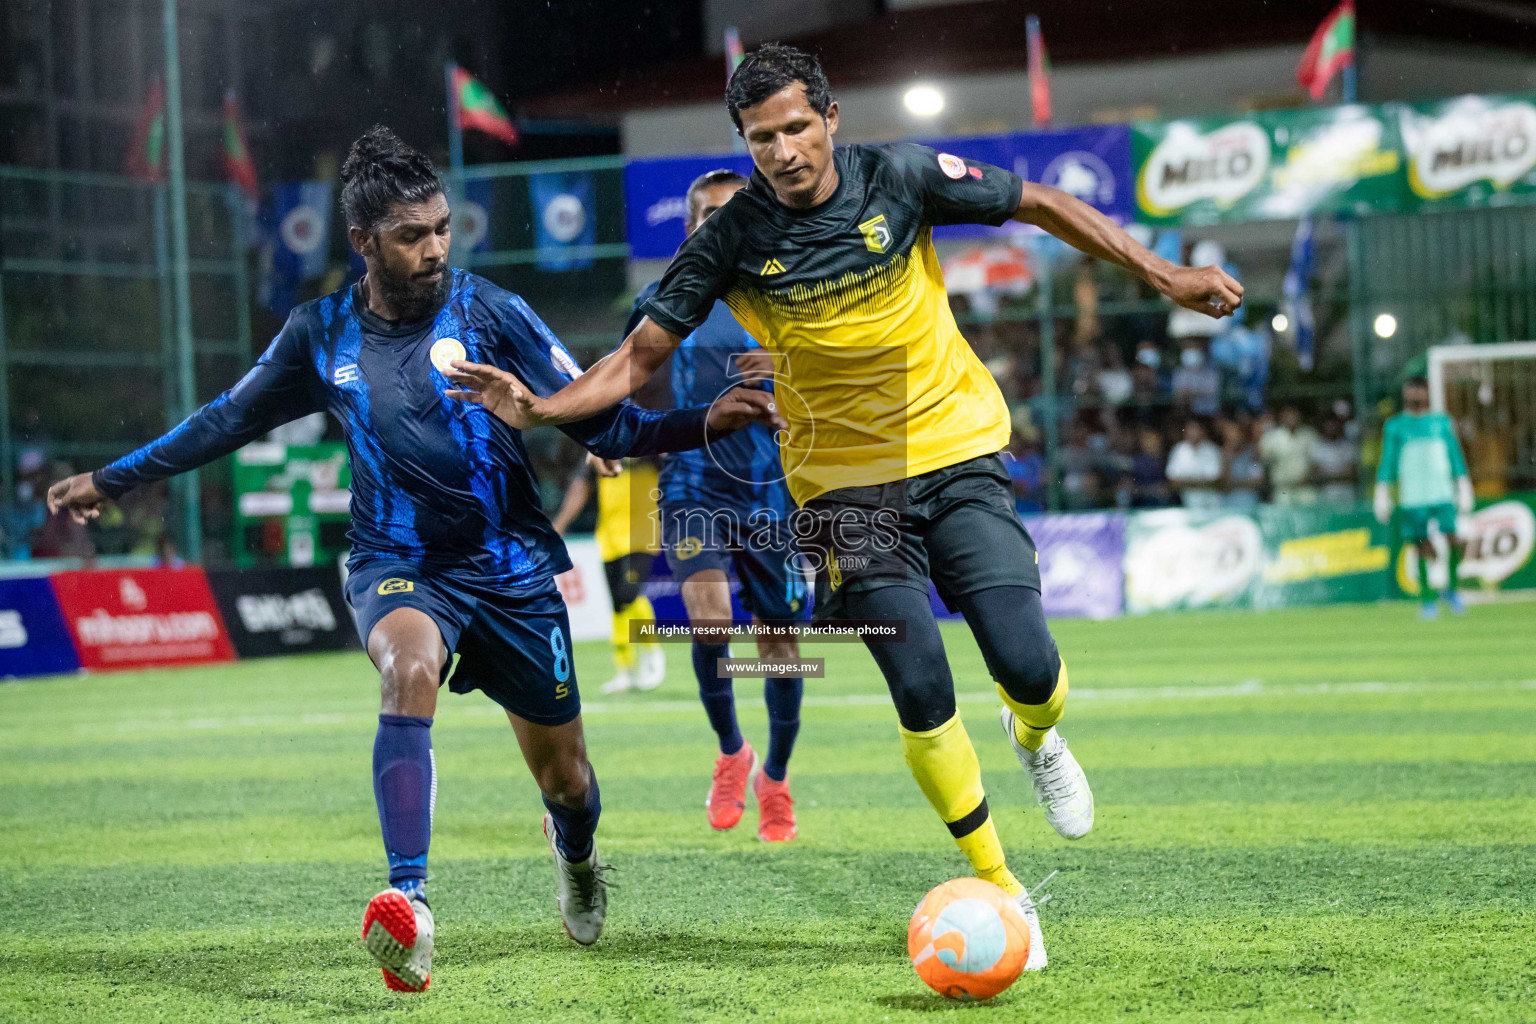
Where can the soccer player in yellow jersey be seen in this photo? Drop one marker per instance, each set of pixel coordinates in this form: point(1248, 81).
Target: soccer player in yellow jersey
point(894, 425)
point(627, 542)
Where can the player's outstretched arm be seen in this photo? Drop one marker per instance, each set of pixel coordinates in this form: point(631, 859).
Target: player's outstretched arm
point(1208, 290)
point(608, 382)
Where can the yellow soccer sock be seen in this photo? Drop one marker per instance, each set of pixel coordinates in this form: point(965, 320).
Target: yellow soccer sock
point(624, 654)
point(944, 764)
point(1032, 721)
point(640, 610)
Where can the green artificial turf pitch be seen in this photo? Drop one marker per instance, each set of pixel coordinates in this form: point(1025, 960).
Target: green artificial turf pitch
point(1308, 815)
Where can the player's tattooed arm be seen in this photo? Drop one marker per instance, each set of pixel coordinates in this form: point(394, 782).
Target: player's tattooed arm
point(1208, 290)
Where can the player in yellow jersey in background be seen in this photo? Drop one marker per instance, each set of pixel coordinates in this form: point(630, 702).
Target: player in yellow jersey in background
point(628, 539)
point(894, 424)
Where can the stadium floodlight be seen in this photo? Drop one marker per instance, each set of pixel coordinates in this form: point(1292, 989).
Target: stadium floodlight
point(923, 101)
point(1385, 325)
point(1281, 323)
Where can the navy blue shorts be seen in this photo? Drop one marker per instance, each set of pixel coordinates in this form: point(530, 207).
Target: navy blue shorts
point(514, 647)
point(760, 546)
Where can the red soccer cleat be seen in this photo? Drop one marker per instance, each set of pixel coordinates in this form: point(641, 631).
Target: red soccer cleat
point(775, 810)
point(397, 932)
point(728, 789)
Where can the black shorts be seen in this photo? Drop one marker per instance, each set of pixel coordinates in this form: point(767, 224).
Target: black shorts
point(516, 647)
point(956, 526)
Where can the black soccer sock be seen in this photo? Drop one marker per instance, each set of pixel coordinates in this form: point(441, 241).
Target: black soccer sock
point(575, 826)
point(717, 695)
point(783, 699)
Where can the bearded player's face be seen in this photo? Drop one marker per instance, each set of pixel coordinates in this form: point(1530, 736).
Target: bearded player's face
point(407, 257)
point(790, 143)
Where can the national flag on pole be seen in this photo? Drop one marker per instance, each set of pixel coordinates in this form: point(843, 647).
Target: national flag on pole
point(1331, 50)
point(238, 164)
point(475, 107)
point(732, 51)
point(146, 156)
point(1039, 72)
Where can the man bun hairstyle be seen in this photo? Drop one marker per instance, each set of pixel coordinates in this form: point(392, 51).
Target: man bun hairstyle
point(380, 171)
point(770, 68)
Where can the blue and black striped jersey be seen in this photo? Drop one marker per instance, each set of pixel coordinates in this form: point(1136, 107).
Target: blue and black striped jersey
point(434, 480)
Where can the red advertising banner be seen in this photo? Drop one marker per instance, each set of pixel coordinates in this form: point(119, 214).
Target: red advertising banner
point(136, 618)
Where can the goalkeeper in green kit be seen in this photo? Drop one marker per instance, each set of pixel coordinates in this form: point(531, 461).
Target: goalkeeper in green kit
point(1420, 453)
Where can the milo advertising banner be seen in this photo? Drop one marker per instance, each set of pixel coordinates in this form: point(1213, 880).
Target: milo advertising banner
point(1387, 158)
point(1470, 151)
point(1271, 166)
point(1500, 538)
point(1271, 558)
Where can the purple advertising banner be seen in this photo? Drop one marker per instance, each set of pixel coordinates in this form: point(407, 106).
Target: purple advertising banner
point(1082, 565)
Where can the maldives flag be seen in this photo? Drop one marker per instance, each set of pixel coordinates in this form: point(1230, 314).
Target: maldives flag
point(146, 156)
point(1332, 48)
point(1039, 72)
point(475, 107)
point(237, 154)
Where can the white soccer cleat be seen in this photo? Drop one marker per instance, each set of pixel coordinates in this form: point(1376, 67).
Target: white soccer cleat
point(1061, 788)
point(1036, 959)
point(622, 681)
point(653, 667)
point(397, 932)
point(581, 891)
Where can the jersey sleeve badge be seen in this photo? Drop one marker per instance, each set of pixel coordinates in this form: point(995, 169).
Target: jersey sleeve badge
point(952, 166)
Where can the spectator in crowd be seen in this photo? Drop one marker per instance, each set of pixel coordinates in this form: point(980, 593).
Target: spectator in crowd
point(1115, 384)
point(1286, 450)
point(1079, 482)
point(1149, 482)
point(1196, 383)
point(1146, 376)
point(1242, 472)
point(1335, 464)
point(1194, 467)
point(1026, 468)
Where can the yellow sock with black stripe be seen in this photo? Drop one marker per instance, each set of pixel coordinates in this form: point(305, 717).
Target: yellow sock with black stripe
point(1032, 721)
point(944, 764)
point(625, 651)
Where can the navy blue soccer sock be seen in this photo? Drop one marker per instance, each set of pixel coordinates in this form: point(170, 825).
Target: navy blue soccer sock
point(575, 826)
point(783, 699)
point(719, 700)
point(405, 788)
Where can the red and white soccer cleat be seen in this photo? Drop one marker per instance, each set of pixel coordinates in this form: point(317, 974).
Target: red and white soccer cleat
point(728, 788)
point(397, 932)
point(775, 810)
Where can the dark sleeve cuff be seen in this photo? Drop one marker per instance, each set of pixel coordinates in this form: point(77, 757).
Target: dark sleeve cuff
point(1013, 208)
point(103, 488)
point(666, 321)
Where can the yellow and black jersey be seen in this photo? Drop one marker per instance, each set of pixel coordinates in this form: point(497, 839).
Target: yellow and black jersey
point(626, 511)
point(873, 375)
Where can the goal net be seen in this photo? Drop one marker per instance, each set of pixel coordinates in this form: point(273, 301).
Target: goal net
point(1490, 391)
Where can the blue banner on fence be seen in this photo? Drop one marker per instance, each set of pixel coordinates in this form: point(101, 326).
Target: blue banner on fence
point(34, 639)
point(296, 230)
point(1092, 163)
point(563, 218)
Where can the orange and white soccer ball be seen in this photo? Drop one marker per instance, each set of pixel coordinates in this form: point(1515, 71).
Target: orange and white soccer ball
point(968, 939)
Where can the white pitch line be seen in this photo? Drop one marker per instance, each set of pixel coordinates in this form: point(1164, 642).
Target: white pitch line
point(1248, 688)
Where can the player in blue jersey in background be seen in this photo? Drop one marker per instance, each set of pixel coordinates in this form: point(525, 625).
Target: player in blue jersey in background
point(451, 549)
point(726, 505)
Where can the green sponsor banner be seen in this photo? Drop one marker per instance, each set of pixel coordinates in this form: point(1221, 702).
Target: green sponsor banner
point(1500, 537)
point(1272, 557)
point(1285, 556)
point(1470, 151)
point(1279, 165)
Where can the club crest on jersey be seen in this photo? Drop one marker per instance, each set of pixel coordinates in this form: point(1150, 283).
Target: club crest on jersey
point(952, 166)
point(445, 351)
point(563, 362)
point(395, 585)
point(877, 233)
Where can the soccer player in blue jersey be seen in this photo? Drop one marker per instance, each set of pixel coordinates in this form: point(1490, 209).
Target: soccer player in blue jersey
point(451, 550)
point(726, 505)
